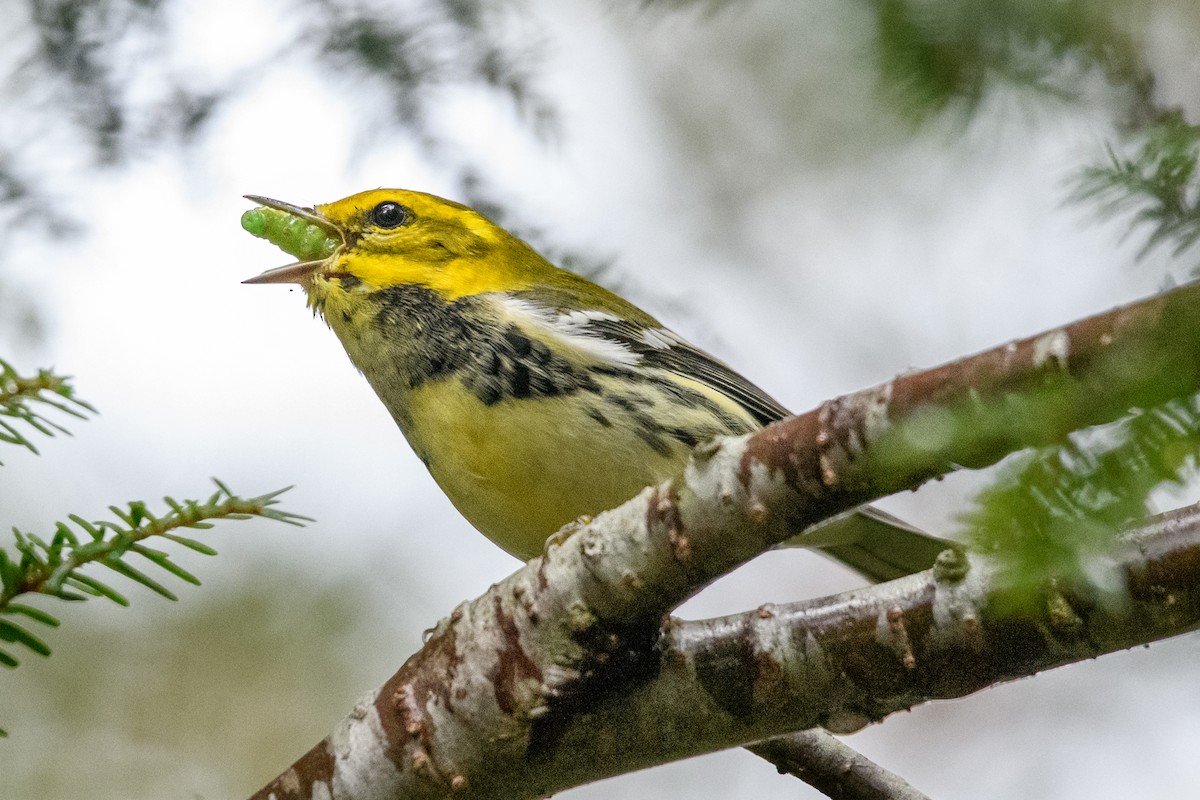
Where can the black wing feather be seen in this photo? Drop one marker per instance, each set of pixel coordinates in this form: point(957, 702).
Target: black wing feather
point(619, 321)
point(684, 359)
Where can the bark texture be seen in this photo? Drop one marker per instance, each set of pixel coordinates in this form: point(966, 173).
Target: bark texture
point(569, 670)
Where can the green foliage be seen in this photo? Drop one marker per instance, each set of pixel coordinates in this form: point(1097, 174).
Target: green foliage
point(933, 53)
point(940, 54)
point(1157, 183)
point(21, 397)
point(1056, 510)
point(1058, 505)
point(54, 566)
point(1110, 415)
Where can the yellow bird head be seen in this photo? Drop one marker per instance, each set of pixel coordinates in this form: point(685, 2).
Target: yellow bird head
point(387, 237)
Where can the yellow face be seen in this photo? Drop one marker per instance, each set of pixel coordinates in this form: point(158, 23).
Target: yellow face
point(392, 236)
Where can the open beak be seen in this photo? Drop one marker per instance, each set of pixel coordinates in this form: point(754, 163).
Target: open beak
point(298, 272)
point(301, 271)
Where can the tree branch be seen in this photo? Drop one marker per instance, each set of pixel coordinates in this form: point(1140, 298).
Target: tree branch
point(561, 674)
point(833, 768)
point(702, 686)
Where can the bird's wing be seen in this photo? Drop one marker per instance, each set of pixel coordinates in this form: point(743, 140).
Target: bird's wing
point(869, 541)
point(638, 340)
point(663, 349)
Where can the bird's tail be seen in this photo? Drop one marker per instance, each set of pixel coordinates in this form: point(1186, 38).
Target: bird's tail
point(874, 544)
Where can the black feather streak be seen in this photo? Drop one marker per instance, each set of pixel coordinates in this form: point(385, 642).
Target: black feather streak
point(458, 339)
point(496, 363)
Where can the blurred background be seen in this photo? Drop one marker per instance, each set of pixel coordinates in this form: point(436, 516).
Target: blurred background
point(823, 193)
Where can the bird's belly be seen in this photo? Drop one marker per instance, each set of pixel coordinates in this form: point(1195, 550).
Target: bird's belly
point(519, 470)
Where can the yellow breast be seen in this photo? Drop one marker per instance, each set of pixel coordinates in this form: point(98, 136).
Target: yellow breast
point(522, 432)
point(518, 470)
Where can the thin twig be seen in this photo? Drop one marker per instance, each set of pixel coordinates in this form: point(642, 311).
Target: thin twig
point(833, 768)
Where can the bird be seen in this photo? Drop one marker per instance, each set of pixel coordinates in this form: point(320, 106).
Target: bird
point(534, 396)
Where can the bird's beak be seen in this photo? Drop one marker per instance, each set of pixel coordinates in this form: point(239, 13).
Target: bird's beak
point(306, 214)
point(301, 271)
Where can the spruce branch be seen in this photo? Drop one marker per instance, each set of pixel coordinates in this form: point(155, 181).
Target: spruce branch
point(1157, 183)
point(54, 566)
point(21, 396)
point(940, 54)
point(1056, 509)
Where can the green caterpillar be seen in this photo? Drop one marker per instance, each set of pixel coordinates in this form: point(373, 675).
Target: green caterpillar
point(292, 235)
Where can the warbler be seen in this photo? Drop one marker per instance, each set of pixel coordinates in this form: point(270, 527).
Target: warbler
point(532, 395)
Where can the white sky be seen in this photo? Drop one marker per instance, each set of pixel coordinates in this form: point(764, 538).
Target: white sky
point(817, 261)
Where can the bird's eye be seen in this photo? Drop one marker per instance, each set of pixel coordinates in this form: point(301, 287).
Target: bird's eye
point(390, 215)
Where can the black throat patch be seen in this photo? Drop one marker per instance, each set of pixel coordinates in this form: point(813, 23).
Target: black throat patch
point(463, 339)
